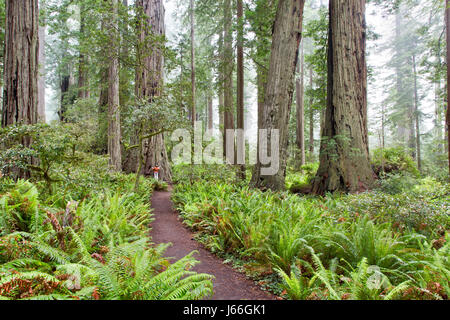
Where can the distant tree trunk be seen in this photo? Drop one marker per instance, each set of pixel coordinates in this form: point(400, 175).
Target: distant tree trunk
point(193, 87)
point(438, 119)
point(221, 79)
point(344, 155)
point(20, 100)
point(114, 131)
point(447, 22)
point(311, 119)
point(41, 79)
point(210, 113)
point(412, 119)
point(287, 34)
point(402, 131)
point(124, 86)
point(417, 116)
point(83, 92)
point(240, 81)
point(148, 85)
point(64, 87)
point(228, 66)
point(300, 141)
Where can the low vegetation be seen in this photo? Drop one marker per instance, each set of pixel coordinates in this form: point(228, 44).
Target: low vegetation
point(374, 245)
point(84, 232)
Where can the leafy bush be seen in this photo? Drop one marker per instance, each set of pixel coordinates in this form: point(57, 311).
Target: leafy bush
point(393, 161)
point(301, 182)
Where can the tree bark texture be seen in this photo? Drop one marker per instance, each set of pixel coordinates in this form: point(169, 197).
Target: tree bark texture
point(114, 130)
point(300, 141)
point(447, 22)
point(240, 79)
point(149, 83)
point(228, 66)
point(20, 99)
point(311, 119)
point(41, 79)
point(279, 91)
point(344, 155)
point(83, 91)
point(193, 87)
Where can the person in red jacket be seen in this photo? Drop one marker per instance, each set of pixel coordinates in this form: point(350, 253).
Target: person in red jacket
point(156, 172)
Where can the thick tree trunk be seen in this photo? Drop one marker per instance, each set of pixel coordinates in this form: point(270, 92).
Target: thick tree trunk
point(20, 100)
point(447, 22)
point(287, 34)
point(41, 79)
point(228, 66)
point(300, 141)
point(193, 86)
point(241, 174)
point(148, 86)
point(114, 130)
point(344, 156)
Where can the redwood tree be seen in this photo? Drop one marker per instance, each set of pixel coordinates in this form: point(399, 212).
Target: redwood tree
point(228, 67)
point(287, 34)
point(447, 22)
point(240, 80)
point(149, 81)
point(299, 88)
point(114, 130)
point(344, 154)
point(20, 101)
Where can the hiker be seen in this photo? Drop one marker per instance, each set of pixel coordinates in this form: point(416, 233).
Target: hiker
point(156, 172)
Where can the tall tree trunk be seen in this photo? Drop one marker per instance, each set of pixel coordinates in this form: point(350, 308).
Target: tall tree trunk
point(344, 155)
point(412, 119)
point(240, 84)
point(210, 113)
point(20, 100)
point(417, 116)
point(287, 34)
point(221, 79)
point(41, 79)
point(148, 86)
point(402, 131)
point(438, 119)
point(300, 141)
point(228, 66)
point(447, 22)
point(83, 92)
point(311, 119)
point(193, 86)
point(114, 131)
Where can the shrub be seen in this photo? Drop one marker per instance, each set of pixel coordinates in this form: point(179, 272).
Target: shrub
point(393, 161)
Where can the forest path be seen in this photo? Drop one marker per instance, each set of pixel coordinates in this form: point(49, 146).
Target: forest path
point(167, 228)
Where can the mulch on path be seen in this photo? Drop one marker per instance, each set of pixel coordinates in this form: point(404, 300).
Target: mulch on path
point(167, 228)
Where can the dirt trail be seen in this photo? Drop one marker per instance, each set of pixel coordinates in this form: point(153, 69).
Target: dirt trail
point(229, 284)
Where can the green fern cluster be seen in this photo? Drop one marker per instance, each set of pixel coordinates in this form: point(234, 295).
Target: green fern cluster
point(97, 248)
point(320, 248)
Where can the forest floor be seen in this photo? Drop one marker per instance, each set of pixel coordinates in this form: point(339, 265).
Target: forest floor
point(167, 228)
